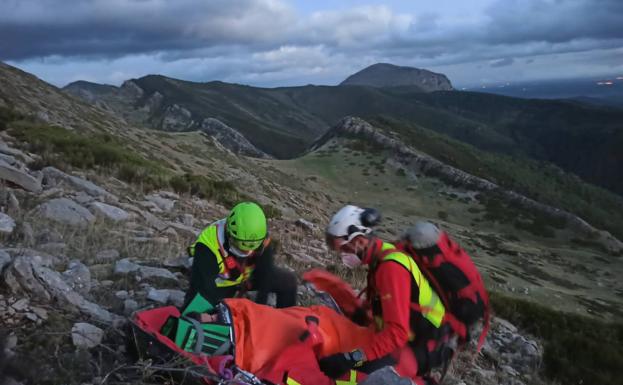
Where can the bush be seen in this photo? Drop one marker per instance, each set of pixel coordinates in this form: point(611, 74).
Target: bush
point(6, 116)
point(578, 349)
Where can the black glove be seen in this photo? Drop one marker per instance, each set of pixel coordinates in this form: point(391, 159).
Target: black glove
point(360, 317)
point(336, 365)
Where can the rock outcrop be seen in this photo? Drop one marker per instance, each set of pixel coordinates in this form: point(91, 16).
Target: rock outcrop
point(230, 138)
point(19, 177)
point(31, 276)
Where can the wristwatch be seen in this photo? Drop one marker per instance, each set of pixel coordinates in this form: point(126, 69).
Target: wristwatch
point(358, 357)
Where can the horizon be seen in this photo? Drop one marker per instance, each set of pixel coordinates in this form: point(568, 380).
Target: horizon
point(615, 78)
point(279, 43)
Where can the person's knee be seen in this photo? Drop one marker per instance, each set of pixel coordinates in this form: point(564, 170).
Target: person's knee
point(285, 286)
point(284, 280)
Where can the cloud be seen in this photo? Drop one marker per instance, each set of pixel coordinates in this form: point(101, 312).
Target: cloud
point(553, 21)
point(113, 28)
point(269, 42)
point(502, 62)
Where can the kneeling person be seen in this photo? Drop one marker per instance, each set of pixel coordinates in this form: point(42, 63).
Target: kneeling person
point(235, 254)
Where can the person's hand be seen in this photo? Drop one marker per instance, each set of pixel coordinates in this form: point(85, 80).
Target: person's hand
point(203, 317)
point(209, 318)
point(360, 317)
point(336, 365)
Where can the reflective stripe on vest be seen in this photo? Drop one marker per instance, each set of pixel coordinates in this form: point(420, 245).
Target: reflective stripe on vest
point(429, 303)
point(351, 381)
point(213, 237)
point(292, 381)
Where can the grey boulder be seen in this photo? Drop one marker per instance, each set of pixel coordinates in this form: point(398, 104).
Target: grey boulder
point(78, 277)
point(86, 336)
point(66, 211)
point(18, 177)
point(109, 212)
point(7, 224)
point(52, 176)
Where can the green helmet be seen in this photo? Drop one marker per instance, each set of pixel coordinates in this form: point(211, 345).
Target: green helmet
point(246, 227)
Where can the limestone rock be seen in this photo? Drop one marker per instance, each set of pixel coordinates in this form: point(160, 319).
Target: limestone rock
point(66, 211)
point(27, 274)
point(109, 212)
point(52, 176)
point(86, 336)
point(7, 224)
point(18, 177)
point(78, 277)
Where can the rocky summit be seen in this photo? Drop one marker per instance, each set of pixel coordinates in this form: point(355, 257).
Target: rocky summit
point(389, 75)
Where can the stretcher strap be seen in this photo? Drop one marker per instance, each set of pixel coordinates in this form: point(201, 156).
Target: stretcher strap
point(200, 336)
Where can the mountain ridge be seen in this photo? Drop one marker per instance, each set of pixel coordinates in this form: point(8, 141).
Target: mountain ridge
point(284, 121)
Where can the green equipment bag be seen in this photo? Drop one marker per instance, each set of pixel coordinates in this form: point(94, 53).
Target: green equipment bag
point(194, 336)
point(198, 305)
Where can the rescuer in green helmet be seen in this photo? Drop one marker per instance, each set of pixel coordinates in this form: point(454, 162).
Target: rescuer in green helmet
point(235, 254)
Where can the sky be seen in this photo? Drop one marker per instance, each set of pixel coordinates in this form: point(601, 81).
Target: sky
point(284, 43)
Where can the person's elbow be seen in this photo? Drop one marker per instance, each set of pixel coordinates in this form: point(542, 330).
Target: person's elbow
point(399, 335)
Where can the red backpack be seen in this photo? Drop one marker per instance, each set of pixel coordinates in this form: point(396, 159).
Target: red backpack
point(453, 275)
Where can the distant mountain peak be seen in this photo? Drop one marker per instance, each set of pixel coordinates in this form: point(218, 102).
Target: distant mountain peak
point(390, 75)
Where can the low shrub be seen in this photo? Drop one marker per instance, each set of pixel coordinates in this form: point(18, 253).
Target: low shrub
point(223, 192)
point(65, 149)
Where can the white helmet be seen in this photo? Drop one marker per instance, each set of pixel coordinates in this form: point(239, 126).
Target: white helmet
point(351, 221)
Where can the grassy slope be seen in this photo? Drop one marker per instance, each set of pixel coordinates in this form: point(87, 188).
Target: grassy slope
point(538, 180)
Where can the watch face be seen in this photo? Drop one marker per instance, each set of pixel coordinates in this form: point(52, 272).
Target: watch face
point(357, 355)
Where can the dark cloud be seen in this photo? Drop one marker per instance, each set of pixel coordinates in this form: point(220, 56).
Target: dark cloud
point(554, 21)
point(502, 62)
point(119, 27)
point(263, 41)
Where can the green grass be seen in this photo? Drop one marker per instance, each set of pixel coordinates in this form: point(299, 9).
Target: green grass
point(224, 192)
point(578, 349)
point(66, 149)
point(6, 116)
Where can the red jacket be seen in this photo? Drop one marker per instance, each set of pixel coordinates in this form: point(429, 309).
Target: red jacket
point(392, 283)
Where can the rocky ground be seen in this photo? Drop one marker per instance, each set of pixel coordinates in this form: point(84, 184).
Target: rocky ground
point(79, 253)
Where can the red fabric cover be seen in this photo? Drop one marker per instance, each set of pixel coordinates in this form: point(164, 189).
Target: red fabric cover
point(268, 340)
point(342, 292)
point(262, 333)
point(298, 362)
